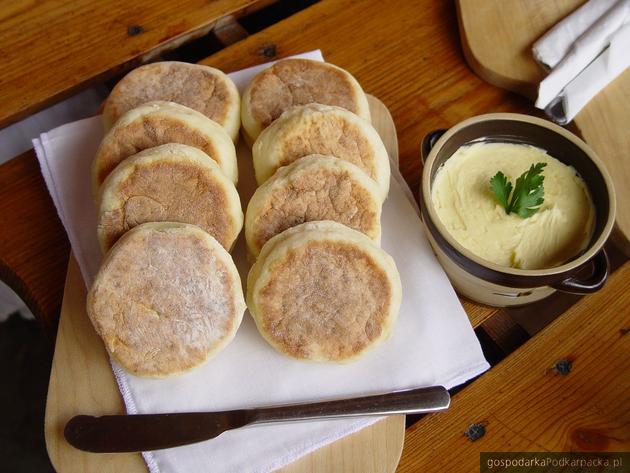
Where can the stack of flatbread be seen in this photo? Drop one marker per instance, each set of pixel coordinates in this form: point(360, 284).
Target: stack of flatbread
point(168, 295)
point(321, 287)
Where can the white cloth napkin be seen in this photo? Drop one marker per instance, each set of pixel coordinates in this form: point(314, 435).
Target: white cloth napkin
point(555, 43)
point(588, 83)
point(432, 343)
point(573, 48)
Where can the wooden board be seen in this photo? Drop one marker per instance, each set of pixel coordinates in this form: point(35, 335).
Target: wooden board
point(497, 36)
point(525, 404)
point(81, 381)
point(73, 44)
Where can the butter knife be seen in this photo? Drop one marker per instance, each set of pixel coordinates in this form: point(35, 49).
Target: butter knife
point(143, 432)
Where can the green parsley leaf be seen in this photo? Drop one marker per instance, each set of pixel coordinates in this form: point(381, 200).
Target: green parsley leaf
point(528, 194)
point(502, 189)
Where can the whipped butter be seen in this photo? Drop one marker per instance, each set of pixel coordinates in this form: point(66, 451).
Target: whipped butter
point(466, 206)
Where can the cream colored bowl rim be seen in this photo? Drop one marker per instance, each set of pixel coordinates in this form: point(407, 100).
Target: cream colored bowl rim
point(583, 258)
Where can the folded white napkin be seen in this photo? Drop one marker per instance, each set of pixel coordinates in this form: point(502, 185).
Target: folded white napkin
point(588, 83)
point(432, 342)
point(555, 43)
point(574, 49)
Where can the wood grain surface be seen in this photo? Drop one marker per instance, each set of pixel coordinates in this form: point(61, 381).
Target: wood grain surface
point(33, 242)
point(503, 54)
point(497, 36)
point(74, 44)
point(407, 54)
point(526, 404)
point(81, 381)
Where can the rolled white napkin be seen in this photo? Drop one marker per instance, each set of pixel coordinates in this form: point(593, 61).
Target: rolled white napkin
point(432, 342)
point(603, 70)
point(555, 44)
point(583, 51)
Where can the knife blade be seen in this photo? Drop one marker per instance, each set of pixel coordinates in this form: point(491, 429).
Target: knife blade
point(144, 432)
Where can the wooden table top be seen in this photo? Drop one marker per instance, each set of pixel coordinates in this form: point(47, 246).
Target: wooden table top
point(565, 390)
point(75, 44)
point(407, 53)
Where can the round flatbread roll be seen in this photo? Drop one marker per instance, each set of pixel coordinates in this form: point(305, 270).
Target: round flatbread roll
point(202, 88)
point(169, 183)
point(321, 129)
point(292, 82)
point(166, 298)
point(324, 292)
point(158, 123)
point(313, 188)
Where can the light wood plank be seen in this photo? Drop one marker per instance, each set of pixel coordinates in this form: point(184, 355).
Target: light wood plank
point(526, 405)
point(74, 44)
point(81, 381)
point(376, 449)
point(502, 54)
point(478, 313)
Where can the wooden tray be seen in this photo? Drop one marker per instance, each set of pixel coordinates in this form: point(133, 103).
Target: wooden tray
point(81, 381)
point(497, 36)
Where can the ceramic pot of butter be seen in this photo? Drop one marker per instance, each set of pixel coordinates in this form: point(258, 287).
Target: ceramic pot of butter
point(516, 208)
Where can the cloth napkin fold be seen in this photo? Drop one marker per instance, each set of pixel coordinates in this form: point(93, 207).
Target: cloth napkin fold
point(556, 43)
point(432, 342)
point(588, 83)
point(580, 51)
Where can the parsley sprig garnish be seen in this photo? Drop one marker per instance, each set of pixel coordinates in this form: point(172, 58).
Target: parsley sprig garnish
point(528, 194)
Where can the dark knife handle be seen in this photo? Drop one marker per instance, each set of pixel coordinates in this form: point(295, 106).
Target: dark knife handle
point(141, 432)
point(413, 401)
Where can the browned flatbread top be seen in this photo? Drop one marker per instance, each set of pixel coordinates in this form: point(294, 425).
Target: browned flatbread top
point(327, 300)
point(166, 184)
point(327, 133)
point(166, 297)
point(193, 85)
point(147, 132)
point(292, 82)
point(313, 188)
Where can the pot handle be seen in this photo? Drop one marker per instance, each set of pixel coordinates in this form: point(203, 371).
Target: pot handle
point(429, 141)
point(599, 275)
